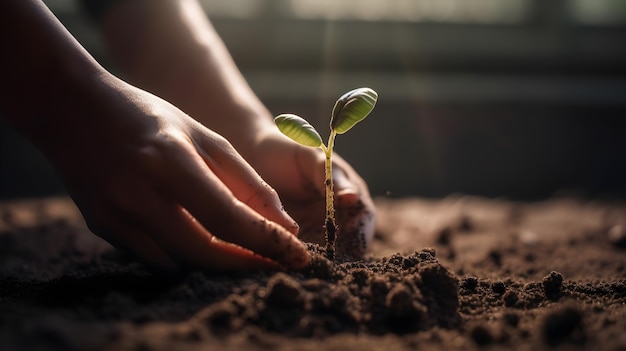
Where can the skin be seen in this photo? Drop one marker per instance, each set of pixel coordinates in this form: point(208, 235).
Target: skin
point(174, 190)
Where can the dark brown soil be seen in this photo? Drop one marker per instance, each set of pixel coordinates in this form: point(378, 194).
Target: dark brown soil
point(459, 273)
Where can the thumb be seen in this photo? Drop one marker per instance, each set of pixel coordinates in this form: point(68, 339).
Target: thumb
point(346, 192)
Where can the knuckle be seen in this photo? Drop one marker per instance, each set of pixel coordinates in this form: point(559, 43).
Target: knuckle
point(217, 142)
point(266, 191)
point(263, 195)
point(155, 151)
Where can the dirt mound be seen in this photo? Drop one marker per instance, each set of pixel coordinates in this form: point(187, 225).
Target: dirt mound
point(400, 294)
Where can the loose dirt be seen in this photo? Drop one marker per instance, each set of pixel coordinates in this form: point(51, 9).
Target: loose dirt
point(458, 273)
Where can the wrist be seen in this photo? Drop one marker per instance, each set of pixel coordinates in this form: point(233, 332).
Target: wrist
point(46, 68)
point(56, 105)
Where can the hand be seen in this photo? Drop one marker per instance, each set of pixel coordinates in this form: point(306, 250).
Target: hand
point(176, 53)
point(150, 179)
point(297, 173)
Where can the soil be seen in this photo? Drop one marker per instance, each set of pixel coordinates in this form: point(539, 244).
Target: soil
point(458, 273)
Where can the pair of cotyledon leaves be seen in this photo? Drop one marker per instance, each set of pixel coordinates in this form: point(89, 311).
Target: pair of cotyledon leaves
point(350, 108)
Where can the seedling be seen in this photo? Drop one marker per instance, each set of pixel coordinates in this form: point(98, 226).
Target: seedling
point(350, 108)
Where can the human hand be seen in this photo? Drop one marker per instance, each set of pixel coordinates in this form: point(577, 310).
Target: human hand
point(177, 54)
point(150, 179)
point(297, 173)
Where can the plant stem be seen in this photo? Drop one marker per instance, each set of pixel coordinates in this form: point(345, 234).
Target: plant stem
point(330, 226)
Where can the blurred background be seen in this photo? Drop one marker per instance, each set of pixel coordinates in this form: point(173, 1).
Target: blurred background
point(522, 99)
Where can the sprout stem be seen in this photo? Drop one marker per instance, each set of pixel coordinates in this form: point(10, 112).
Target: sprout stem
point(329, 224)
point(350, 109)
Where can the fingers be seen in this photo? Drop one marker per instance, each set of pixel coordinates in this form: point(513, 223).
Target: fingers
point(174, 235)
point(243, 181)
point(189, 242)
point(196, 188)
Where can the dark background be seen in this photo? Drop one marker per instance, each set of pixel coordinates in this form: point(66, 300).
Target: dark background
point(521, 99)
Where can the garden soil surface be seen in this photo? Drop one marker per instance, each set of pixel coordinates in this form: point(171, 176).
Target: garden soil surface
point(460, 273)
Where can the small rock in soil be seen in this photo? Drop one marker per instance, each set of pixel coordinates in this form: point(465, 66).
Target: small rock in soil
point(404, 312)
point(469, 283)
point(284, 291)
point(498, 287)
point(510, 298)
point(552, 284)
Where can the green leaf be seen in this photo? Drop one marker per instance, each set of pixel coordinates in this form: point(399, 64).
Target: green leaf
point(298, 129)
point(351, 108)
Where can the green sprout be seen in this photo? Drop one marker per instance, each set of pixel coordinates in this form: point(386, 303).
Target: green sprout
point(350, 108)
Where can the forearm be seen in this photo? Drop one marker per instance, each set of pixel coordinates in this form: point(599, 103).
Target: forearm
point(171, 49)
point(44, 69)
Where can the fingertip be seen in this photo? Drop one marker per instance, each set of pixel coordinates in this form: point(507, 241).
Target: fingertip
point(267, 203)
point(283, 219)
point(294, 254)
point(343, 186)
point(290, 224)
point(300, 258)
point(231, 257)
point(347, 197)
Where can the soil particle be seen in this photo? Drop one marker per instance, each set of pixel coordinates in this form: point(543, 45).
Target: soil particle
point(498, 287)
point(405, 312)
point(564, 326)
point(552, 284)
point(360, 277)
point(469, 284)
point(510, 298)
point(284, 291)
point(481, 335)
